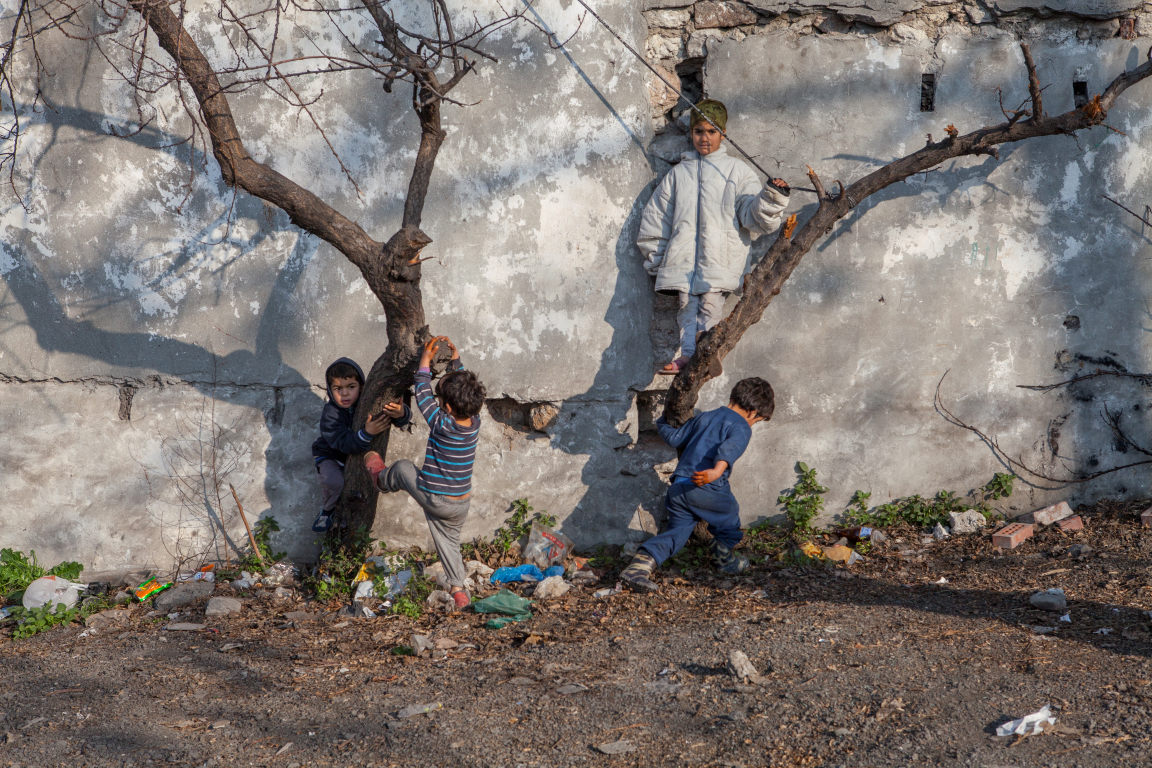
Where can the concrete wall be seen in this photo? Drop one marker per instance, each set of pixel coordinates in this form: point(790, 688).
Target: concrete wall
point(163, 338)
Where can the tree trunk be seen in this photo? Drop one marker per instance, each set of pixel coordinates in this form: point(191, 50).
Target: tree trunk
point(767, 278)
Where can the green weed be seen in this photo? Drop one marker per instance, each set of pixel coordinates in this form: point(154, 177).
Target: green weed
point(31, 621)
point(515, 527)
point(339, 562)
point(17, 571)
point(262, 533)
point(999, 487)
point(804, 501)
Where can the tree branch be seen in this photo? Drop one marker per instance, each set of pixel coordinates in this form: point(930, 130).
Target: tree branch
point(770, 274)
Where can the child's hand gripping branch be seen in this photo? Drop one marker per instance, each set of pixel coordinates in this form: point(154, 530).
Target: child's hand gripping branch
point(432, 347)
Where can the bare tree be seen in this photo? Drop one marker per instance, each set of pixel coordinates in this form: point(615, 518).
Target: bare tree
point(430, 59)
point(790, 246)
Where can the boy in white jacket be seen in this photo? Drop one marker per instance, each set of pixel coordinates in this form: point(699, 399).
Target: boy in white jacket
point(697, 228)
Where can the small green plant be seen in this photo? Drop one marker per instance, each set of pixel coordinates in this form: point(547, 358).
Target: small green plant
point(262, 533)
point(339, 562)
point(915, 510)
point(515, 527)
point(31, 621)
point(999, 487)
point(410, 602)
point(803, 501)
point(17, 570)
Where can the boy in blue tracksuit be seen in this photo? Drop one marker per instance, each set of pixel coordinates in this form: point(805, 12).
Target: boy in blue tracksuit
point(338, 438)
point(708, 444)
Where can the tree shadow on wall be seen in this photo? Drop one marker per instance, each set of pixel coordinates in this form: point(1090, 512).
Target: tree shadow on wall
point(56, 332)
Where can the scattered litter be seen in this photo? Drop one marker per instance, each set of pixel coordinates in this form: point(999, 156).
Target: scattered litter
point(439, 598)
point(760, 594)
point(1028, 725)
point(52, 589)
point(397, 583)
point(1049, 600)
point(506, 606)
point(811, 550)
point(149, 588)
point(616, 747)
point(229, 647)
point(841, 554)
point(528, 572)
point(941, 580)
point(287, 746)
point(418, 709)
point(741, 667)
point(553, 570)
point(585, 578)
point(204, 574)
point(552, 586)
point(246, 581)
point(365, 588)
point(5, 613)
point(475, 568)
point(939, 532)
point(282, 593)
point(280, 573)
point(1104, 631)
point(546, 546)
point(618, 588)
point(357, 611)
point(1066, 618)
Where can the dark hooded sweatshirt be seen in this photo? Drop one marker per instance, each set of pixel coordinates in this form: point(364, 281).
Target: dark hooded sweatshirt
point(337, 437)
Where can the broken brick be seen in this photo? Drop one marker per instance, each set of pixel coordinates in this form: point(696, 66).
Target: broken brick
point(1051, 514)
point(1069, 524)
point(1012, 535)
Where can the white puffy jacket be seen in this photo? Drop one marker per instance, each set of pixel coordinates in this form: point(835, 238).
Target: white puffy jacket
point(696, 230)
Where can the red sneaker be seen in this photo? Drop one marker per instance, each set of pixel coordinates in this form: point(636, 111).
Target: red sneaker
point(374, 463)
point(461, 599)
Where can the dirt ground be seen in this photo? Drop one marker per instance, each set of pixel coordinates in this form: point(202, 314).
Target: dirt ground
point(912, 657)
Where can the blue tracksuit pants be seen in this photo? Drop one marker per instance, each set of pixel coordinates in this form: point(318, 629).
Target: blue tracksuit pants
point(686, 503)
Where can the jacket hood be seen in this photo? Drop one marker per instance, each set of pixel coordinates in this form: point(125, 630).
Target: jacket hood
point(347, 361)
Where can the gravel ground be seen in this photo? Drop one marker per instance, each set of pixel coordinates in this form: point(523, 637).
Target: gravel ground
point(883, 664)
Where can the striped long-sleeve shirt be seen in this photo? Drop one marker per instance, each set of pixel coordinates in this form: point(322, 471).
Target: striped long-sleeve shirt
point(451, 450)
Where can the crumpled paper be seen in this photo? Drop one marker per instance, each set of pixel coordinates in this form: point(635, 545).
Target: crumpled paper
point(1029, 724)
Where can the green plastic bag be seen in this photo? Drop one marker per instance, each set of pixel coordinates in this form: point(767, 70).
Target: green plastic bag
point(507, 606)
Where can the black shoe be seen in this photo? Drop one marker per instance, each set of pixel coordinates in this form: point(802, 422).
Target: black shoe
point(323, 521)
point(636, 575)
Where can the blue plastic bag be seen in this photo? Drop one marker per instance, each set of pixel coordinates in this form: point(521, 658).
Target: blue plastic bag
point(526, 572)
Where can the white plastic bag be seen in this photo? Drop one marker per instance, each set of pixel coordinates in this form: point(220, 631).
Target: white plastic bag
point(52, 589)
point(546, 546)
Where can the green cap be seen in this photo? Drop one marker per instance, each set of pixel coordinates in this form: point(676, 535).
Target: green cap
point(714, 110)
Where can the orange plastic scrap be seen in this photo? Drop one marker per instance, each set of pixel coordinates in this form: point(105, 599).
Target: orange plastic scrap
point(952, 131)
point(149, 588)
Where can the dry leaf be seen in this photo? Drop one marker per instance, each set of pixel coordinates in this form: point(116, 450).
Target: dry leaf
point(1093, 110)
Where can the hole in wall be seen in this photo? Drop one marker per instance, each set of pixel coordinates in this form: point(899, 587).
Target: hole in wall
point(928, 92)
point(127, 392)
point(1079, 92)
point(691, 74)
point(1072, 323)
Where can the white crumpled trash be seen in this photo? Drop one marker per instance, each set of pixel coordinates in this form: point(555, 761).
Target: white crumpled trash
point(52, 589)
point(1029, 724)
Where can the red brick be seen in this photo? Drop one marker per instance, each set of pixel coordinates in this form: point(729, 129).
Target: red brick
point(1146, 518)
point(1012, 535)
point(1070, 524)
point(1051, 514)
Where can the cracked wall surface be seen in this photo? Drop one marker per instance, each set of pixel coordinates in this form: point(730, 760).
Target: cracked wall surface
point(164, 339)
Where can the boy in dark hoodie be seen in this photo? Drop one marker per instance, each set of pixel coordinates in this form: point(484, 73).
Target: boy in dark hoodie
point(338, 439)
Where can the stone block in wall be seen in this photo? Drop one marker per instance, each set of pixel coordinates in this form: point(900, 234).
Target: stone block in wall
point(1143, 26)
point(660, 95)
point(665, 47)
point(716, 14)
point(978, 14)
point(1091, 9)
point(668, 18)
point(698, 42)
point(650, 5)
point(879, 13)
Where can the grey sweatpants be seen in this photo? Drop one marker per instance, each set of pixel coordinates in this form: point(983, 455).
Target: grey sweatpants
point(445, 516)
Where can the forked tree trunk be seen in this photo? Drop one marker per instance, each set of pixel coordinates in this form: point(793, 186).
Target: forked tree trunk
point(767, 278)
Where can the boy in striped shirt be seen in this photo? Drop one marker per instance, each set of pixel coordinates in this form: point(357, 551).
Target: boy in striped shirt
point(443, 484)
